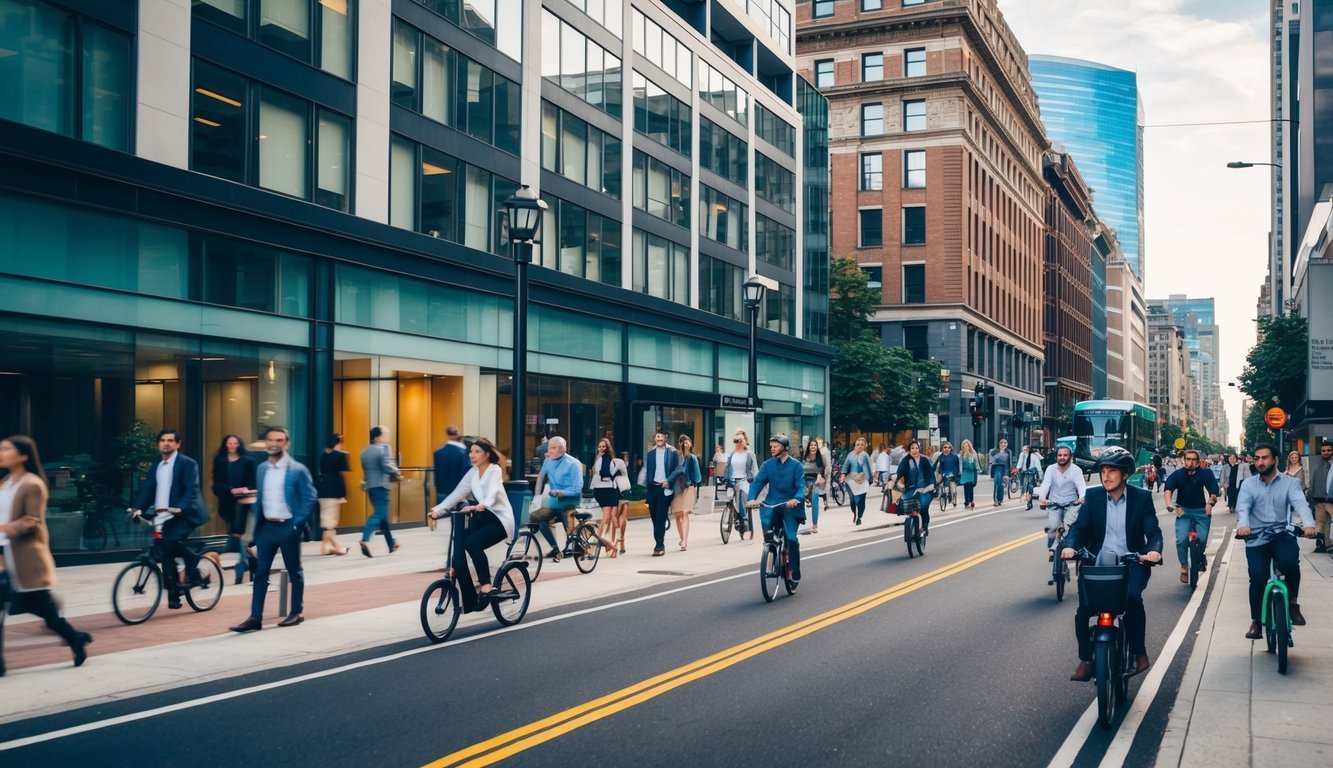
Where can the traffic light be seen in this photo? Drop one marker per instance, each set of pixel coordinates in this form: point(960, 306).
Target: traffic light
point(1016, 421)
point(974, 405)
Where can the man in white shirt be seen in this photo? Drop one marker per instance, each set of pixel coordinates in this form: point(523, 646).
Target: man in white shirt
point(1064, 486)
point(1029, 465)
point(174, 487)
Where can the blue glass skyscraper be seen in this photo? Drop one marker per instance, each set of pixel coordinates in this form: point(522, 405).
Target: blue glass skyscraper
point(1095, 112)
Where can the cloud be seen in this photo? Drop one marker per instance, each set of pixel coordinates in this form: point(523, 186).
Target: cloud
point(1206, 227)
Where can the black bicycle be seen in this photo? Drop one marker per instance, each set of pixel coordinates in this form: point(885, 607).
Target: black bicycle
point(1194, 548)
point(584, 545)
point(1059, 565)
point(948, 495)
point(734, 515)
point(838, 492)
point(910, 507)
point(442, 603)
point(774, 565)
point(137, 590)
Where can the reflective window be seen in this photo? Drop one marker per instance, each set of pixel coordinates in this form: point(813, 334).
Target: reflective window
point(661, 116)
point(872, 172)
point(914, 115)
point(284, 123)
point(580, 65)
point(661, 48)
point(580, 242)
point(219, 134)
point(661, 268)
point(774, 17)
point(822, 8)
point(608, 13)
point(661, 190)
point(872, 5)
point(914, 62)
point(774, 183)
point(496, 22)
point(774, 243)
point(872, 67)
point(334, 180)
point(397, 303)
point(872, 119)
point(720, 287)
point(285, 26)
point(62, 72)
point(774, 130)
point(914, 168)
point(579, 152)
point(914, 283)
point(914, 225)
point(717, 89)
point(318, 32)
point(439, 195)
point(723, 153)
point(824, 73)
point(724, 219)
point(779, 310)
point(871, 227)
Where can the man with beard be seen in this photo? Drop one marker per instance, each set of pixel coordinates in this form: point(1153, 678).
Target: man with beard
point(1063, 484)
point(1265, 509)
point(1187, 487)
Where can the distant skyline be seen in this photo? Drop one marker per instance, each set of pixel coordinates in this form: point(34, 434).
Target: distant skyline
point(1206, 226)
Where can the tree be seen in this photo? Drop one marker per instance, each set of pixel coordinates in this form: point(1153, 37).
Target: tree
point(1256, 431)
point(1276, 366)
point(851, 301)
point(1167, 435)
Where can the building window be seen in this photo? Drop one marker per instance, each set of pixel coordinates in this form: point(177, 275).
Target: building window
point(916, 341)
point(723, 219)
point(580, 242)
point(872, 5)
point(774, 130)
point(774, 183)
point(61, 72)
point(874, 277)
point(914, 283)
point(661, 267)
point(660, 47)
point(720, 287)
point(577, 64)
point(824, 73)
point(914, 169)
point(914, 115)
point(661, 190)
point(912, 2)
point(728, 98)
point(774, 243)
point(723, 153)
point(914, 62)
point(823, 8)
point(872, 67)
point(498, 23)
point(872, 119)
point(318, 32)
point(914, 225)
point(872, 172)
point(661, 116)
point(872, 228)
point(441, 196)
point(579, 152)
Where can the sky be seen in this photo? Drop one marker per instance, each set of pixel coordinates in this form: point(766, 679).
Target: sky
point(1206, 226)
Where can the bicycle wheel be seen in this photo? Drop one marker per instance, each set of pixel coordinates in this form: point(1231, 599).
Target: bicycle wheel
point(727, 522)
point(839, 494)
point(136, 592)
point(94, 533)
point(909, 533)
point(920, 542)
point(1060, 576)
point(206, 597)
point(1105, 689)
point(587, 547)
point(527, 549)
point(1196, 561)
point(440, 610)
point(1279, 636)
point(513, 593)
point(769, 571)
point(1012, 490)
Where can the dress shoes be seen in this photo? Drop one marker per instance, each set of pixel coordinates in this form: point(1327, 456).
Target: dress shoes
point(173, 602)
point(365, 550)
point(80, 649)
point(1141, 664)
point(394, 547)
point(1256, 631)
point(292, 620)
point(1082, 673)
point(249, 625)
point(1296, 618)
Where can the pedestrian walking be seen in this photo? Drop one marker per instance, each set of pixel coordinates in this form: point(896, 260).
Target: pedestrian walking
point(27, 570)
point(1296, 468)
point(451, 462)
point(286, 500)
point(234, 487)
point(686, 489)
point(378, 472)
point(1233, 479)
point(660, 463)
point(817, 469)
point(1000, 461)
point(1321, 495)
point(856, 473)
point(874, 464)
point(740, 471)
point(971, 467)
point(332, 490)
point(884, 467)
point(173, 486)
point(719, 461)
point(610, 480)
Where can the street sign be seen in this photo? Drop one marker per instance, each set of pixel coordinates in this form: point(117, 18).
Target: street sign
point(1275, 417)
point(736, 402)
point(933, 420)
point(1179, 443)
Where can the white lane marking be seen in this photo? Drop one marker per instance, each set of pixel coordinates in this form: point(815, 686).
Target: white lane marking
point(110, 722)
point(1124, 738)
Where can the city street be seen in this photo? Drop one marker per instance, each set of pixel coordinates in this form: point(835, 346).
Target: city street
point(961, 657)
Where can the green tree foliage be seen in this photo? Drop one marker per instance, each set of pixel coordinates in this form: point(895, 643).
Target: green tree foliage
point(1256, 431)
point(851, 301)
point(1275, 368)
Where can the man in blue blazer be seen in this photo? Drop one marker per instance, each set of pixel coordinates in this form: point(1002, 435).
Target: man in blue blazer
point(173, 486)
point(1116, 519)
point(286, 498)
point(660, 470)
point(451, 463)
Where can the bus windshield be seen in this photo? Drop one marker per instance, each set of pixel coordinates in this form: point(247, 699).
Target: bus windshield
point(1102, 429)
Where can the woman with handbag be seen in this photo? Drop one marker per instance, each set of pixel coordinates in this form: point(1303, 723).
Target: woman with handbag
point(610, 480)
point(685, 482)
point(234, 487)
point(27, 570)
point(332, 491)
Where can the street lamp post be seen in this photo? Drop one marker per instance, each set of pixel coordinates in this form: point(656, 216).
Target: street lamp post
point(754, 296)
point(1243, 164)
point(525, 211)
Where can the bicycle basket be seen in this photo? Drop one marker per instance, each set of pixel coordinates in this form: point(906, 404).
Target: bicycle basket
point(1104, 587)
point(908, 505)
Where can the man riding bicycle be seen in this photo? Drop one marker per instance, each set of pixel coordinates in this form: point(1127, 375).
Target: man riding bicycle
point(948, 465)
point(1115, 520)
point(1063, 484)
point(1029, 469)
point(1266, 500)
point(784, 477)
point(1188, 486)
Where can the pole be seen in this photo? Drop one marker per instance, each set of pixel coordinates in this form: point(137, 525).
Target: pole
point(754, 356)
point(518, 452)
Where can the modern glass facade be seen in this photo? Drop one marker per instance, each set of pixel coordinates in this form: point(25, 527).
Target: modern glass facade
point(1094, 113)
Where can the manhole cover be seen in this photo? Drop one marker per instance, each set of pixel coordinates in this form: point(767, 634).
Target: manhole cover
point(664, 573)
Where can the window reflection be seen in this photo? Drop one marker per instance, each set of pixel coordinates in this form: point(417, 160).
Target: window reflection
point(581, 66)
point(283, 140)
point(661, 268)
point(661, 190)
point(218, 131)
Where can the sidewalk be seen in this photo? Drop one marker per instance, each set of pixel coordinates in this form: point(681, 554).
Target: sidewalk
point(1233, 707)
point(352, 603)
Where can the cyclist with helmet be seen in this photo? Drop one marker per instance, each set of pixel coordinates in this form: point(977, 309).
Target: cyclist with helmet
point(1116, 519)
point(784, 477)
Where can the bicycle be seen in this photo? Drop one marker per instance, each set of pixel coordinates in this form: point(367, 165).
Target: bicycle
point(774, 563)
point(441, 604)
point(1276, 607)
point(839, 491)
point(732, 517)
point(137, 590)
point(1105, 588)
point(948, 495)
point(909, 505)
point(1059, 566)
point(1194, 548)
point(1027, 482)
point(584, 545)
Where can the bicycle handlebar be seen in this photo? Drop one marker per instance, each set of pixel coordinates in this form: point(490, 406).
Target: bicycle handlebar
point(1290, 530)
point(1131, 558)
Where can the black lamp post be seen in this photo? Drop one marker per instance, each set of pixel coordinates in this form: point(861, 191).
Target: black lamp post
point(525, 211)
point(754, 296)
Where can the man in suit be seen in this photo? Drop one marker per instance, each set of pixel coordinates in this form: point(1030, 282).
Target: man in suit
point(286, 498)
point(659, 466)
point(1321, 494)
point(379, 472)
point(451, 463)
point(1116, 519)
point(173, 486)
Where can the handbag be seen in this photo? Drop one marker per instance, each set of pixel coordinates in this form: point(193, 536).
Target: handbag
point(621, 481)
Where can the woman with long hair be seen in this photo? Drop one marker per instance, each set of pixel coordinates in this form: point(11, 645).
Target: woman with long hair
point(915, 474)
point(492, 516)
point(740, 469)
point(27, 570)
point(609, 474)
point(816, 479)
point(856, 472)
point(1297, 470)
point(686, 483)
point(234, 487)
point(971, 466)
point(332, 491)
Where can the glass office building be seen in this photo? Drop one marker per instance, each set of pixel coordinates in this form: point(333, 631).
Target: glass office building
point(261, 213)
point(1094, 112)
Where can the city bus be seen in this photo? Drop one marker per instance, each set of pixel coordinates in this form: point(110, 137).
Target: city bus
point(1100, 424)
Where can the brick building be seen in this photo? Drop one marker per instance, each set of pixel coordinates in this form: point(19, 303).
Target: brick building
point(937, 188)
point(1070, 224)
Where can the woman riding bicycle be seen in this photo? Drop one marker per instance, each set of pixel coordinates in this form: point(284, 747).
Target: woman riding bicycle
point(492, 521)
point(948, 464)
point(741, 467)
point(917, 477)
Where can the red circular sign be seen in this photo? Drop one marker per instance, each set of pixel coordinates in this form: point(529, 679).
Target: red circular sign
point(1275, 417)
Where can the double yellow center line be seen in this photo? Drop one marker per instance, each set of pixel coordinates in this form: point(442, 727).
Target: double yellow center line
point(547, 729)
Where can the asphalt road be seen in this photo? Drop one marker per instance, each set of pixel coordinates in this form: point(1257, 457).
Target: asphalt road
point(960, 657)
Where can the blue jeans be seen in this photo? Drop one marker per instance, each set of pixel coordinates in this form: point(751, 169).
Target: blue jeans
point(379, 504)
point(997, 477)
point(1199, 520)
point(791, 520)
point(814, 508)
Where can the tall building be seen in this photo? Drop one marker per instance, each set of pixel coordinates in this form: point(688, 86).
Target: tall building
point(1095, 113)
point(1313, 161)
point(1126, 334)
point(1197, 320)
point(1169, 387)
point(1284, 236)
point(1070, 227)
point(224, 215)
point(1104, 245)
point(936, 151)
